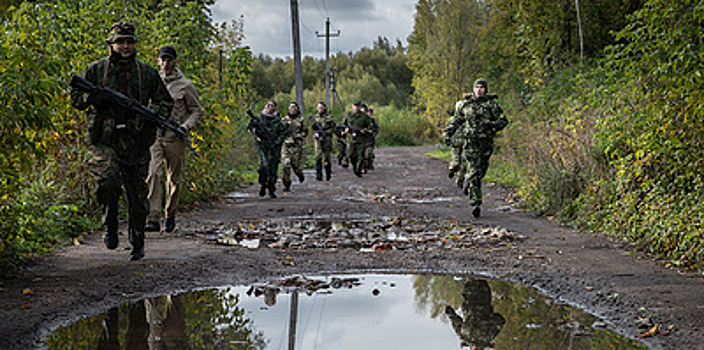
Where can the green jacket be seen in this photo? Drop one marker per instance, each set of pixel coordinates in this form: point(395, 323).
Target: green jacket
point(270, 127)
point(359, 120)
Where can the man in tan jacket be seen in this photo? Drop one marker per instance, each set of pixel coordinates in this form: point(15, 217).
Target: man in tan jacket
point(168, 151)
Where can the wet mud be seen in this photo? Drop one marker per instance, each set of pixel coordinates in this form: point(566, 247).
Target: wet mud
point(404, 217)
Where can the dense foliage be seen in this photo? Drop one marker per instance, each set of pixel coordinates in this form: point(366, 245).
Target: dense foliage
point(46, 188)
point(605, 101)
point(604, 97)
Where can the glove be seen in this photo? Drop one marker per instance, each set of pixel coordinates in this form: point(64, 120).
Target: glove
point(97, 100)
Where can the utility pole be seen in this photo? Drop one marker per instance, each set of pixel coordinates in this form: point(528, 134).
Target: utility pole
point(297, 68)
point(327, 58)
point(293, 319)
point(334, 91)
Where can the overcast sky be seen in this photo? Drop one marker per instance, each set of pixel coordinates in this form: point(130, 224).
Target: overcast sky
point(267, 23)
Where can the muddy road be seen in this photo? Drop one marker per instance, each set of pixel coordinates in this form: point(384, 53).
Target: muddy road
point(602, 275)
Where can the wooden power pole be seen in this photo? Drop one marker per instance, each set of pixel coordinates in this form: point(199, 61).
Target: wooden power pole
point(297, 68)
point(327, 58)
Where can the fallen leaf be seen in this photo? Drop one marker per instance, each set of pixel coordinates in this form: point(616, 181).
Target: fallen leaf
point(27, 291)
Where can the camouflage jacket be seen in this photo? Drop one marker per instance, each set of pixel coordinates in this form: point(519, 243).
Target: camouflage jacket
point(481, 118)
point(114, 127)
point(327, 122)
point(270, 127)
point(299, 130)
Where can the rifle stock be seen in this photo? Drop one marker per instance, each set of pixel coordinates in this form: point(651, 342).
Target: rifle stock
point(133, 106)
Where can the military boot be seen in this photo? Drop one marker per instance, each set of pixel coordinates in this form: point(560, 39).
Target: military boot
point(328, 171)
point(110, 239)
point(272, 191)
point(319, 170)
point(287, 186)
point(137, 241)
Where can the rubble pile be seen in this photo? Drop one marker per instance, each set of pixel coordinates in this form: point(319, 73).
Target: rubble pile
point(389, 233)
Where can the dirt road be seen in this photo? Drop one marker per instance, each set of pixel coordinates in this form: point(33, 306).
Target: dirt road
point(604, 276)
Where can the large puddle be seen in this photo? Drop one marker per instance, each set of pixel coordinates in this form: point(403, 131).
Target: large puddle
point(371, 311)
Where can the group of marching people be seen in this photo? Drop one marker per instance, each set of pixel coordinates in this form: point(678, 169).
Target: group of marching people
point(281, 140)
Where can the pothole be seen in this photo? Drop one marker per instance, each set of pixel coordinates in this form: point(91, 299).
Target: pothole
point(370, 311)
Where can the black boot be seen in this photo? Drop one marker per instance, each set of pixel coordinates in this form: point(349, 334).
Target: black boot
point(272, 191)
point(328, 171)
point(319, 170)
point(287, 186)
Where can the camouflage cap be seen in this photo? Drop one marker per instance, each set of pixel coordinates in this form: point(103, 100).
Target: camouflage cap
point(121, 30)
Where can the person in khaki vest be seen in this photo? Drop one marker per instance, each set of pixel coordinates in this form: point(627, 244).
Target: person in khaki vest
point(168, 151)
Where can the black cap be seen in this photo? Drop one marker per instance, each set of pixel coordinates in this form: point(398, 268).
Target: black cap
point(357, 103)
point(167, 52)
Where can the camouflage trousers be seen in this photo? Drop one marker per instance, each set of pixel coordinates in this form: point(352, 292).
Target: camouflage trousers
point(369, 155)
point(269, 158)
point(111, 175)
point(477, 156)
point(342, 158)
point(291, 160)
point(458, 165)
point(323, 150)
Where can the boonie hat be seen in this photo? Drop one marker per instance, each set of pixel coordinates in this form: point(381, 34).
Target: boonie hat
point(121, 30)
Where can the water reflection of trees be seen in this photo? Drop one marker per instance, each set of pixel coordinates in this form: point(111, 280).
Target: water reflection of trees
point(207, 319)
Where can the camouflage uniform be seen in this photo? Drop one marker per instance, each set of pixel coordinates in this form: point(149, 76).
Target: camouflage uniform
point(371, 144)
point(269, 148)
point(323, 145)
point(455, 136)
point(480, 324)
point(482, 118)
point(292, 154)
point(342, 159)
point(120, 141)
point(356, 140)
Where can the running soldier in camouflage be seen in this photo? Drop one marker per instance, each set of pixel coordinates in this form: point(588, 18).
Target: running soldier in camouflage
point(324, 127)
point(120, 140)
point(270, 133)
point(292, 153)
point(483, 119)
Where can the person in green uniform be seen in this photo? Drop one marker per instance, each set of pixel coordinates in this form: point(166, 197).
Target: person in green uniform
point(269, 132)
point(356, 126)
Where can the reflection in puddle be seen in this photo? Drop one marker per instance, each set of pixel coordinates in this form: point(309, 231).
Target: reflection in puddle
point(346, 312)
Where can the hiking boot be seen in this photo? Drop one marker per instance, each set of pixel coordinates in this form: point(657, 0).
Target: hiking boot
point(477, 211)
point(152, 226)
point(262, 191)
point(111, 240)
point(137, 254)
point(169, 224)
point(328, 172)
point(301, 177)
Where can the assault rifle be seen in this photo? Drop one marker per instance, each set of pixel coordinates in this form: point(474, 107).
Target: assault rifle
point(318, 128)
point(133, 106)
point(354, 130)
point(258, 129)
